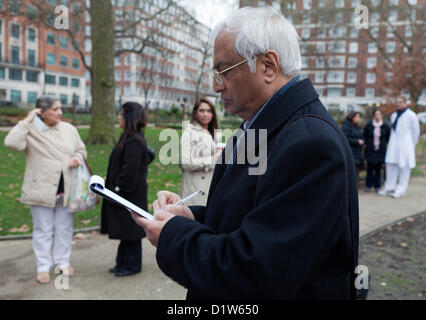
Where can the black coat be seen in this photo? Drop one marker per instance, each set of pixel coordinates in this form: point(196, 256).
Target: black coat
point(289, 240)
point(354, 133)
point(371, 155)
point(127, 170)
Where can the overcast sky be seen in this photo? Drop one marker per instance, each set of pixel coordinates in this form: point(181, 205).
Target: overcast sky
point(209, 12)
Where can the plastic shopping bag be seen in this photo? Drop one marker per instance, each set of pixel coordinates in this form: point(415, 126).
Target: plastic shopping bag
point(81, 197)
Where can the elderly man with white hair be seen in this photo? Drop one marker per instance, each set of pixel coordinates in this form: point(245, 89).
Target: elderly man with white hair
point(288, 230)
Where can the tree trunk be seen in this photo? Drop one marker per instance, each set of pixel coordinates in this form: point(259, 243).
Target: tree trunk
point(103, 86)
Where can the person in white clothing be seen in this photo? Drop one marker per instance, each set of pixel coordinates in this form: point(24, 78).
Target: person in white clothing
point(400, 155)
point(52, 148)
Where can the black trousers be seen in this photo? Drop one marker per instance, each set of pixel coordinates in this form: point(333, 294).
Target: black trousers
point(129, 256)
point(374, 175)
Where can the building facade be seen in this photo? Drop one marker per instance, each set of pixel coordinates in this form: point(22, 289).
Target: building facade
point(346, 59)
point(34, 60)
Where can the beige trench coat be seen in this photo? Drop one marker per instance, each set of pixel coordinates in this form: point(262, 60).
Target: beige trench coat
point(197, 160)
point(47, 155)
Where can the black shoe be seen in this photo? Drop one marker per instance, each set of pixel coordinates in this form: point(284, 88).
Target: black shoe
point(112, 270)
point(124, 273)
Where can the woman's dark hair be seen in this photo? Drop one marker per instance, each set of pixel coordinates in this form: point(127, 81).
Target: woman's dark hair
point(134, 117)
point(350, 117)
point(213, 123)
point(45, 102)
point(374, 111)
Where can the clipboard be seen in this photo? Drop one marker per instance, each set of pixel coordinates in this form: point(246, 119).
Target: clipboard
point(97, 185)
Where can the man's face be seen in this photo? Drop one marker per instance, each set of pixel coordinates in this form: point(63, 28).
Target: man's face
point(400, 104)
point(241, 89)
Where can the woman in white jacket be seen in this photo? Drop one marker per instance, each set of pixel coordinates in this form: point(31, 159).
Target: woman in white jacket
point(52, 148)
point(400, 155)
point(199, 152)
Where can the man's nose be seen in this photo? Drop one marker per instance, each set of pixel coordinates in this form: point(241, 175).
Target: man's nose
point(216, 87)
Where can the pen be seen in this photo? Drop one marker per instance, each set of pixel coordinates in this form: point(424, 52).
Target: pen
point(188, 197)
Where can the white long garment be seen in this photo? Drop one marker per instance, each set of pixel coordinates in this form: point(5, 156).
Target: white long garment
point(402, 142)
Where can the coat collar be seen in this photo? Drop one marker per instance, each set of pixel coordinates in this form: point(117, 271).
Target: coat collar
point(284, 105)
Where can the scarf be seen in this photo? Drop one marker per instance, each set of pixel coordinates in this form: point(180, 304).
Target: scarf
point(398, 114)
point(376, 134)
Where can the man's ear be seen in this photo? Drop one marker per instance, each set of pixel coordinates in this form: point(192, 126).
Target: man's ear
point(271, 66)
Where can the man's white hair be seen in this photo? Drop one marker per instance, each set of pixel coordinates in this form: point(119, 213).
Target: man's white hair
point(258, 30)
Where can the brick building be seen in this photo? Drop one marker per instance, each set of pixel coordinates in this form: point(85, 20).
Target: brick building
point(35, 60)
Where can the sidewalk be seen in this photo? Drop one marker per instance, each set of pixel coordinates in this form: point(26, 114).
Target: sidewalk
point(91, 258)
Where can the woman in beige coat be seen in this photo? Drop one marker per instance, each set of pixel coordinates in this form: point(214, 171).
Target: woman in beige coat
point(52, 148)
point(199, 152)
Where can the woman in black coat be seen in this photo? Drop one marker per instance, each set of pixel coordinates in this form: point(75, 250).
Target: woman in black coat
point(355, 138)
point(127, 172)
point(376, 134)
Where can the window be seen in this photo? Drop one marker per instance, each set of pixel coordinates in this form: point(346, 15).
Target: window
point(393, 2)
point(334, 92)
point(375, 3)
point(50, 79)
point(321, 47)
point(51, 38)
point(14, 55)
point(371, 62)
point(319, 77)
point(75, 83)
point(350, 92)
point(31, 97)
point(127, 60)
point(15, 96)
point(393, 15)
point(2, 73)
point(372, 47)
point(50, 58)
point(307, 4)
point(408, 31)
point(354, 33)
point(336, 62)
point(63, 61)
point(390, 47)
point(389, 32)
point(63, 42)
point(75, 63)
point(369, 92)
point(356, 3)
point(352, 62)
point(63, 98)
point(351, 77)
point(15, 6)
point(370, 77)
point(31, 35)
point(32, 76)
point(321, 4)
point(15, 30)
point(306, 33)
point(353, 47)
point(340, 3)
point(320, 62)
point(63, 81)
point(305, 62)
point(117, 75)
point(31, 58)
point(335, 76)
point(117, 61)
point(127, 76)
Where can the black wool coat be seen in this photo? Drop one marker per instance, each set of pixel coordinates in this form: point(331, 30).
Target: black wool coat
point(126, 176)
point(286, 235)
point(371, 155)
point(353, 133)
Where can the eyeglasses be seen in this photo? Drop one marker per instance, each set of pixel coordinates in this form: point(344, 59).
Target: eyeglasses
point(216, 75)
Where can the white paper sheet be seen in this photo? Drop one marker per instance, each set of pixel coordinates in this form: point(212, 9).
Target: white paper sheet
point(97, 185)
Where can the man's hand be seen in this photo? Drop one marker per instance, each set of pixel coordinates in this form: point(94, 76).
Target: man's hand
point(153, 227)
point(166, 201)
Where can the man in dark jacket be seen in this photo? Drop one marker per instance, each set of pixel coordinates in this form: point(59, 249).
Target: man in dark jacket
point(290, 232)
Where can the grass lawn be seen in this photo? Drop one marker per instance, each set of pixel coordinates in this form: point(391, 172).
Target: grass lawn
point(15, 217)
